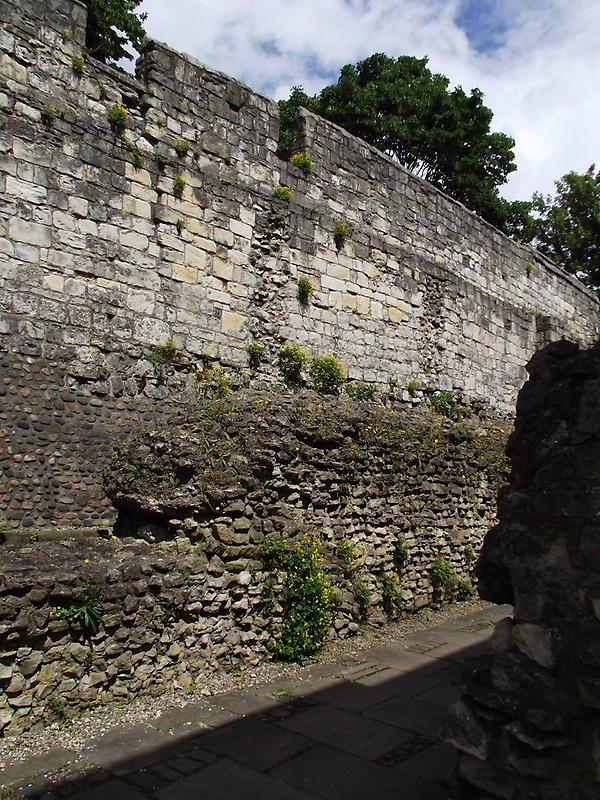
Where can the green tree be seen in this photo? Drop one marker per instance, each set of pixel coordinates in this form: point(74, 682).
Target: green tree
point(567, 228)
point(111, 25)
point(405, 110)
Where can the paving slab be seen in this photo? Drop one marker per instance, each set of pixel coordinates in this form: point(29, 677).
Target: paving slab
point(350, 732)
point(351, 696)
point(256, 744)
point(226, 780)
point(408, 714)
point(334, 775)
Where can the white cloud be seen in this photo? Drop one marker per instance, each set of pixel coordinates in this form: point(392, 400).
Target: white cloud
point(541, 82)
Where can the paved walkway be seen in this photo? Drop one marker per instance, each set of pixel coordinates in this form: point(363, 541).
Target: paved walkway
point(361, 730)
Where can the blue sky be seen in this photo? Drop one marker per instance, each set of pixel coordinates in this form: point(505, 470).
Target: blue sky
point(536, 61)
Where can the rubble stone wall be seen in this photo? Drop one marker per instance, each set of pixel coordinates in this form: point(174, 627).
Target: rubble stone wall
point(112, 242)
point(529, 724)
point(182, 589)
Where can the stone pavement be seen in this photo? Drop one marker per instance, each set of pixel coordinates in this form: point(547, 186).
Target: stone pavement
point(345, 731)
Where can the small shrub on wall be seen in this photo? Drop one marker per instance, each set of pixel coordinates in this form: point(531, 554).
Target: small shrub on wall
point(303, 161)
point(292, 360)
point(328, 373)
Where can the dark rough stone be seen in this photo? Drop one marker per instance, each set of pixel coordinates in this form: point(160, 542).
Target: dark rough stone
point(528, 725)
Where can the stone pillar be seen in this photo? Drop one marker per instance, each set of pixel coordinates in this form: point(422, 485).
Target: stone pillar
point(528, 726)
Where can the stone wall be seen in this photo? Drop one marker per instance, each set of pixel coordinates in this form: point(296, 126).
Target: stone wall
point(100, 260)
point(182, 590)
point(529, 724)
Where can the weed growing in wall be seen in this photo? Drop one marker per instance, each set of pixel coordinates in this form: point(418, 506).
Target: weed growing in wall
point(181, 147)
point(306, 598)
point(413, 386)
point(400, 550)
point(117, 116)
point(348, 556)
point(78, 63)
point(178, 185)
point(305, 289)
point(390, 591)
point(212, 382)
point(464, 589)
point(163, 354)
point(292, 360)
point(84, 613)
point(136, 158)
point(180, 225)
point(256, 354)
point(443, 577)
point(328, 373)
point(341, 234)
point(49, 115)
point(360, 391)
point(102, 91)
point(445, 403)
point(283, 193)
point(303, 161)
point(56, 708)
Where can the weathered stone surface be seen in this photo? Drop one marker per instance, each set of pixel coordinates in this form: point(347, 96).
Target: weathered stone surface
point(100, 261)
point(538, 696)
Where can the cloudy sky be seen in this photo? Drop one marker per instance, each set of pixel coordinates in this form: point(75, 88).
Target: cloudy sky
point(537, 61)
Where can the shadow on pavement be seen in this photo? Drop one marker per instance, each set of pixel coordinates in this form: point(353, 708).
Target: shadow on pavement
point(346, 731)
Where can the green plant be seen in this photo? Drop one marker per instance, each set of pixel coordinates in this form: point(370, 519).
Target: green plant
point(341, 234)
point(328, 373)
point(303, 161)
point(117, 116)
point(56, 707)
point(49, 115)
point(305, 288)
point(360, 391)
point(133, 472)
point(111, 26)
point(400, 550)
point(10, 793)
point(362, 594)
point(443, 575)
point(445, 403)
point(84, 613)
point(292, 360)
point(181, 147)
point(307, 597)
point(136, 158)
point(529, 268)
point(180, 224)
point(347, 554)
point(413, 386)
point(390, 590)
point(470, 554)
point(102, 91)
point(256, 354)
point(283, 193)
point(78, 62)
point(34, 536)
point(178, 185)
point(213, 382)
point(162, 354)
point(464, 589)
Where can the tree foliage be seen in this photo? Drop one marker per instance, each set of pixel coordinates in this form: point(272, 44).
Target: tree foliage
point(405, 110)
point(111, 25)
point(567, 227)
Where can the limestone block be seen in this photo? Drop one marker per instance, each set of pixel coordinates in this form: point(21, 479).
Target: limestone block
point(139, 208)
point(21, 230)
point(222, 269)
point(12, 70)
point(231, 322)
point(186, 274)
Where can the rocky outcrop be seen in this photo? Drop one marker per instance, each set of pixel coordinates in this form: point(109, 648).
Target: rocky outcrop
point(529, 725)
